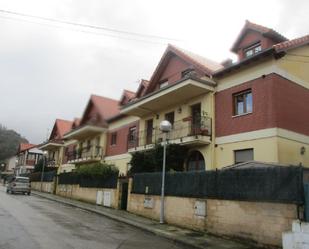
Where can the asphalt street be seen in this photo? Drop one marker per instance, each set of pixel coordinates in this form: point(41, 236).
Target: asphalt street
point(31, 222)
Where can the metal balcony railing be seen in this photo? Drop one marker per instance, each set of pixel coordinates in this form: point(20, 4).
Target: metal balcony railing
point(85, 154)
point(180, 129)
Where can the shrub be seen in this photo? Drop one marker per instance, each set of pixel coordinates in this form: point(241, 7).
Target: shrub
point(152, 160)
point(97, 169)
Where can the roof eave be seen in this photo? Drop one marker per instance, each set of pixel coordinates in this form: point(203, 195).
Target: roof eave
point(244, 62)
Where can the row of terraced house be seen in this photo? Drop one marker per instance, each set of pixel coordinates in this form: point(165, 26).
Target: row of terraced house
point(253, 112)
point(254, 109)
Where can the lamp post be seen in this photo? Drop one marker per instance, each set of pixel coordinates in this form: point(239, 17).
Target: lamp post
point(43, 168)
point(165, 127)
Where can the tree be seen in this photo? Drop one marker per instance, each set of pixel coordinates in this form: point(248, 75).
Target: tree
point(152, 160)
point(9, 142)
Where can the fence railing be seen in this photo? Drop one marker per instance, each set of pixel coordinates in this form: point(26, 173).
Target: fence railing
point(180, 129)
point(47, 176)
point(275, 184)
point(73, 178)
point(91, 152)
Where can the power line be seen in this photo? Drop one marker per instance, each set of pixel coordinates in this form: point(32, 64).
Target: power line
point(87, 25)
point(83, 31)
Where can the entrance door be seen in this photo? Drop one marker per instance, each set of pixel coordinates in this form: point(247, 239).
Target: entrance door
point(149, 130)
point(124, 195)
point(195, 161)
point(196, 119)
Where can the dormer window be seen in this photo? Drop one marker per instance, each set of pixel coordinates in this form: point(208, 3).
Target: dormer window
point(163, 84)
point(252, 50)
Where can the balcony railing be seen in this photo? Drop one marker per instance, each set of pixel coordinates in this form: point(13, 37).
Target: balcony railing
point(85, 154)
point(183, 132)
point(52, 162)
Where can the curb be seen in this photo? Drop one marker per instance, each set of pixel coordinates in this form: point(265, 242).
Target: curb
point(157, 232)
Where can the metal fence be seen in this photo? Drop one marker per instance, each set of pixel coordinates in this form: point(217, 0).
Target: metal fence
point(47, 176)
point(180, 129)
point(88, 181)
point(274, 184)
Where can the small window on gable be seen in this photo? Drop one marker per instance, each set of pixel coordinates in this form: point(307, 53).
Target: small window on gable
point(252, 50)
point(186, 72)
point(114, 138)
point(163, 84)
point(242, 102)
point(242, 156)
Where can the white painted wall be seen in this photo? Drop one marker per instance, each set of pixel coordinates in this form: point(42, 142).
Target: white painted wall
point(298, 238)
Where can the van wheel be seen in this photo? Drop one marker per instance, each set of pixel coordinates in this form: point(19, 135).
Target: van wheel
point(29, 193)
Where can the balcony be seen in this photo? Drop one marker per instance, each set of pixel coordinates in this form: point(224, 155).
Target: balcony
point(177, 93)
point(183, 133)
point(85, 131)
point(51, 145)
point(85, 155)
point(51, 162)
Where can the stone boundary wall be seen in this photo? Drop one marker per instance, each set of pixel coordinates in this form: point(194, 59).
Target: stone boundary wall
point(47, 187)
point(260, 222)
point(86, 194)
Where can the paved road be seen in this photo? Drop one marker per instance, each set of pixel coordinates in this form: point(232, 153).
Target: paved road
point(30, 222)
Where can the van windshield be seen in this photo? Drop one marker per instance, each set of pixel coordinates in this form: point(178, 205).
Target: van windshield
point(22, 180)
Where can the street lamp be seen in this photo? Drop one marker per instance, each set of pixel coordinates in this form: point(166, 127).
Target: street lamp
point(43, 167)
point(165, 127)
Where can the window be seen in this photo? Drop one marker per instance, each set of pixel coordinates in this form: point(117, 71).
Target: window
point(114, 138)
point(252, 50)
point(88, 145)
point(132, 134)
point(31, 156)
point(243, 103)
point(187, 72)
point(195, 161)
point(163, 84)
point(170, 117)
point(242, 156)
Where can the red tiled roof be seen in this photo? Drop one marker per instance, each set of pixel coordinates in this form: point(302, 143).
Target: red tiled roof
point(63, 126)
point(126, 96)
point(283, 46)
point(259, 28)
point(106, 107)
point(142, 88)
point(25, 146)
point(205, 64)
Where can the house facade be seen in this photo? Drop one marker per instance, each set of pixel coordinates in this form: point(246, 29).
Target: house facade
point(254, 109)
point(55, 146)
point(27, 157)
point(224, 113)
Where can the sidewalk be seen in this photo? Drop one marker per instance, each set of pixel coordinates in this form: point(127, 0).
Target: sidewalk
point(187, 237)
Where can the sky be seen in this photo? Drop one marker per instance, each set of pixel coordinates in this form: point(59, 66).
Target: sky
point(49, 70)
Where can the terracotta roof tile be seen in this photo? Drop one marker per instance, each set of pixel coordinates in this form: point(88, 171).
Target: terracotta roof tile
point(106, 107)
point(63, 126)
point(208, 65)
point(25, 146)
point(282, 46)
point(259, 28)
